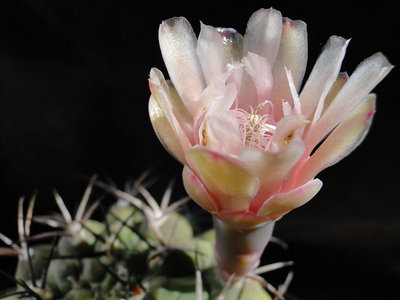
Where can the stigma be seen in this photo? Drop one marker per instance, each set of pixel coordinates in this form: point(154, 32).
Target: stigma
point(256, 126)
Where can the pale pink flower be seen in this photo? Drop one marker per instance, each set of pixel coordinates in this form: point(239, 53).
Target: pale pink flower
point(233, 113)
point(250, 141)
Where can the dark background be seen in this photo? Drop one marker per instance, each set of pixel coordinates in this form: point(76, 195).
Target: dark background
point(73, 101)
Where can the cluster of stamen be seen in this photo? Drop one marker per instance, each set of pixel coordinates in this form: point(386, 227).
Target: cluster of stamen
point(257, 126)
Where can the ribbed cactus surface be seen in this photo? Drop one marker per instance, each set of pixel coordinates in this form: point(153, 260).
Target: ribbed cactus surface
point(138, 249)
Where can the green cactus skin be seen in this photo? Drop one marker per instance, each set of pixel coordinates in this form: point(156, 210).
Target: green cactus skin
point(125, 256)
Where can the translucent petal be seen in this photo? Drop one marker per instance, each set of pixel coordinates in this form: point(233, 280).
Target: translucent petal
point(178, 47)
point(233, 44)
point(211, 52)
point(229, 183)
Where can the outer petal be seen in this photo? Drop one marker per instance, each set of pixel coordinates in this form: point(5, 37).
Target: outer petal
point(334, 90)
point(337, 85)
point(292, 55)
point(197, 191)
point(211, 52)
point(263, 34)
point(343, 140)
point(271, 168)
point(367, 75)
point(166, 95)
point(280, 204)
point(165, 131)
point(171, 105)
point(178, 48)
point(323, 75)
point(226, 180)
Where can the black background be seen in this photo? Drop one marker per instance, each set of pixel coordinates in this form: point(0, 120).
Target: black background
point(73, 101)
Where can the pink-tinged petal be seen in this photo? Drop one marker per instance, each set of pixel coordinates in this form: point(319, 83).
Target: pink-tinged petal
point(217, 99)
point(286, 130)
point(292, 55)
point(259, 69)
point(211, 52)
point(197, 191)
point(263, 34)
point(178, 47)
point(220, 133)
point(166, 95)
point(271, 168)
point(323, 75)
point(170, 103)
point(246, 89)
point(366, 76)
point(214, 91)
point(337, 85)
point(165, 131)
point(229, 183)
point(295, 97)
point(343, 140)
point(280, 204)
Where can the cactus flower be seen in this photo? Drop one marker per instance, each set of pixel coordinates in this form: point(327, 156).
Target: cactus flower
point(250, 138)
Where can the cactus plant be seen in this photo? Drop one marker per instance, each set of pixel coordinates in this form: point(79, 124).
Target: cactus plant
point(138, 248)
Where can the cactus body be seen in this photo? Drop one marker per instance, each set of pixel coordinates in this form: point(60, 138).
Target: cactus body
point(133, 252)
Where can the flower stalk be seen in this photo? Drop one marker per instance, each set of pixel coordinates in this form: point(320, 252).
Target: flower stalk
point(238, 251)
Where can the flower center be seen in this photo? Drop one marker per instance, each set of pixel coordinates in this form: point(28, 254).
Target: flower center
point(257, 126)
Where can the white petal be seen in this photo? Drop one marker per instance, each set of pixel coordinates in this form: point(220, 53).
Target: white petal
point(165, 131)
point(263, 34)
point(178, 47)
point(341, 142)
point(259, 70)
point(323, 75)
point(366, 76)
point(292, 55)
point(211, 52)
